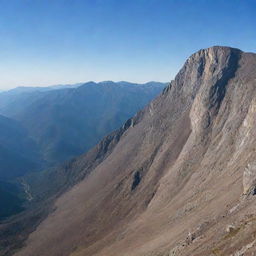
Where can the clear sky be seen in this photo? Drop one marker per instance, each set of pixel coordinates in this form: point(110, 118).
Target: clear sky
point(46, 42)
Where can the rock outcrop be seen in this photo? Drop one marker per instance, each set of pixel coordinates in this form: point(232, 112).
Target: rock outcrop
point(249, 178)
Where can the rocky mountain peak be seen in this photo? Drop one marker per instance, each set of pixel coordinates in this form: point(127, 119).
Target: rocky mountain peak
point(202, 82)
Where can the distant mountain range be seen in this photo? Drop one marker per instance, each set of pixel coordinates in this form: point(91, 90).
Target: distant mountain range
point(21, 89)
point(53, 125)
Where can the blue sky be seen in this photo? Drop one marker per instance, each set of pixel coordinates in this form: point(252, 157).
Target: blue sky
point(45, 42)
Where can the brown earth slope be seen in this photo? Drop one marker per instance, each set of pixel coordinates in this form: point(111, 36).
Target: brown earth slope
point(179, 180)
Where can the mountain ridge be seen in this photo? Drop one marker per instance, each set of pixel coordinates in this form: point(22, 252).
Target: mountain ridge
point(67, 122)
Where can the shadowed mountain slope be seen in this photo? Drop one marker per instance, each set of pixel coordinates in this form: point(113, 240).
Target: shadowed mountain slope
point(18, 152)
point(18, 155)
point(177, 179)
point(10, 201)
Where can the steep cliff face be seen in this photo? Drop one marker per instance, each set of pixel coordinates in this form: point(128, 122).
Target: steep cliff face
point(180, 179)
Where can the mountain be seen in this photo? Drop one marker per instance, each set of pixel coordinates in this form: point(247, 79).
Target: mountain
point(11, 199)
point(67, 122)
point(176, 179)
point(18, 155)
point(18, 152)
point(26, 89)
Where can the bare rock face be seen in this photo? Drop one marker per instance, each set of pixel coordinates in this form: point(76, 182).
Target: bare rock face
point(249, 178)
point(215, 67)
point(247, 133)
point(179, 167)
